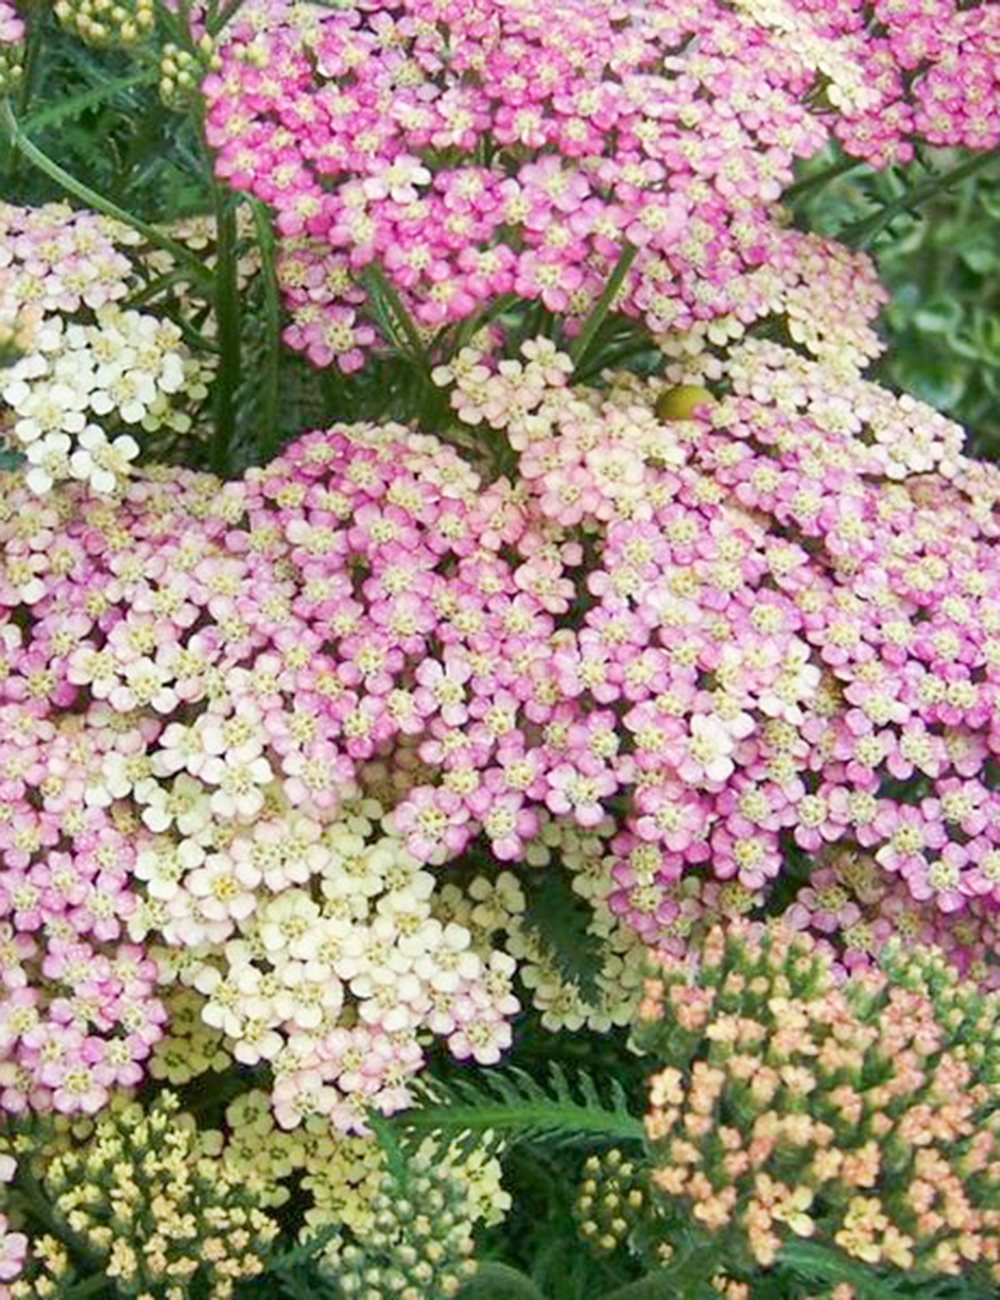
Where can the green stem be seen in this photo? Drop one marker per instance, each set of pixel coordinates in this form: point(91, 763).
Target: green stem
point(219, 20)
point(270, 377)
point(584, 373)
point(472, 324)
point(184, 24)
point(385, 289)
point(820, 178)
point(862, 233)
point(227, 321)
point(36, 18)
point(10, 127)
point(578, 348)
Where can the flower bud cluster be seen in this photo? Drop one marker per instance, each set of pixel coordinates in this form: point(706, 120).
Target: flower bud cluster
point(863, 1115)
point(419, 1245)
point(105, 23)
point(136, 1197)
point(181, 70)
point(610, 1202)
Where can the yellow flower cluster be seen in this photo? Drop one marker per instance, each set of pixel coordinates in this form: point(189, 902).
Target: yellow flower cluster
point(343, 1174)
point(863, 1115)
point(156, 1219)
point(191, 1047)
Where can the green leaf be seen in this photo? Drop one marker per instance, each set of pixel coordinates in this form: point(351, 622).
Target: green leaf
point(515, 1107)
point(980, 258)
point(306, 1250)
point(561, 918)
point(495, 1281)
point(74, 106)
point(395, 1160)
point(393, 316)
point(939, 316)
point(578, 348)
point(271, 370)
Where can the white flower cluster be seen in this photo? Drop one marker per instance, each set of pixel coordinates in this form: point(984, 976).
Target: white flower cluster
point(126, 368)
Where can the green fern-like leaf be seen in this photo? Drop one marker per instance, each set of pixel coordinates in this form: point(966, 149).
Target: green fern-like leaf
point(561, 919)
point(512, 1106)
point(306, 1250)
point(71, 107)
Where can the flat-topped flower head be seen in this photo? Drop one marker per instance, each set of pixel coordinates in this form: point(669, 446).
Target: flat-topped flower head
point(860, 1115)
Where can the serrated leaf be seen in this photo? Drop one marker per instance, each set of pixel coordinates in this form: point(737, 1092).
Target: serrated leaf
point(73, 106)
point(561, 919)
point(517, 1107)
point(305, 1250)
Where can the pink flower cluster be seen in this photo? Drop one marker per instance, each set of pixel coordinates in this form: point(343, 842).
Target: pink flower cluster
point(794, 608)
point(935, 68)
point(55, 260)
point(477, 149)
point(243, 727)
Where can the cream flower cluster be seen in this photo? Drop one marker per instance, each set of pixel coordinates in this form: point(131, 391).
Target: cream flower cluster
point(316, 949)
point(128, 368)
point(341, 1173)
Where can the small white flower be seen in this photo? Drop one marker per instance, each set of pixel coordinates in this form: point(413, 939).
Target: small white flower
point(164, 865)
point(239, 792)
point(709, 748)
point(224, 888)
point(184, 804)
point(100, 463)
point(45, 408)
point(49, 459)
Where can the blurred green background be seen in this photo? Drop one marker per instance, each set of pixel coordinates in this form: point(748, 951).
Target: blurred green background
point(933, 228)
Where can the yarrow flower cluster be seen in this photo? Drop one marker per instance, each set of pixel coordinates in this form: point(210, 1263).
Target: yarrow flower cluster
point(85, 368)
point(476, 150)
point(862, 1115)
point(135, 1197)
point(341, 1173)
point(171, 1208)
point(419, 1245)
point(753, 625)
point(246, 728)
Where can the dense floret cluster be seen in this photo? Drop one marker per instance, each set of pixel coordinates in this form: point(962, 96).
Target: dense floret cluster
point(248, 727)
point(136, 1202)
point(465, 152)
point(635, 620)
point(863, 1116)
point(83, 372)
